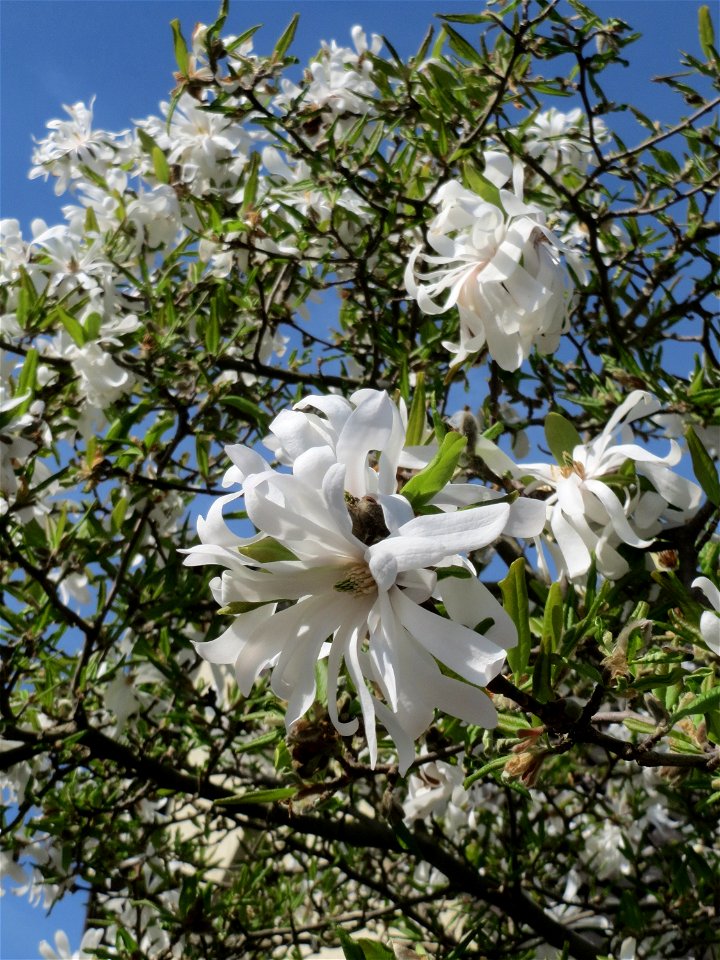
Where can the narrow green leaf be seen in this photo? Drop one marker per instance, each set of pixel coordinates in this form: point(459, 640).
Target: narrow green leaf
point(495, 764)
point(147, 142)
point(118, 514)
point(271, 795)
point(705, 703)
point(707, 32)
point(553, 619)
point(212, 330)
point(73, 326)
point(705, 469)
point(421, 488)
point(181, 51)
point(93, 325)
point(243, 38)
point(251, 411)
point(562, 437)
point(281, 47)
point(417, 415)
point(264, 740)
point(475, 181)
point(465, 17)
point(464, 50)
point(160, 165)
point(201, 452)
point(350, 949)
point(515, 602)
point(251, 184)
point(26, 380)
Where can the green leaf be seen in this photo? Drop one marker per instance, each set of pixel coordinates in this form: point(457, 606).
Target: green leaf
point(26, 380)
point(281, 47)
point(460, 46)
point(267, 550)
point(251, 184)
point(73, 326)
point(553, 619)
point(476, 182)
point(421, 488)
point(243, 38)
point(705, 469)
point(562, 438)
point(181, 51)
point(416, 416)
point(271, 795)
point(515, 602)
point(118, 514)
point(93, 325)
point(351, 950)
point(160, 165)
point(707, 32)
point(251, 411)
point(147, 142)
point(497, 763)
point(705, 703)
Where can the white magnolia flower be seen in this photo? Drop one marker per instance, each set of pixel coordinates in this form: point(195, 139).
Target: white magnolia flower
point(338, 82)
point(710, 619)
point(73, 144)
point(499, 264)
point(593, 509)
point(561, 141)
point(356, 570)
point(91, 939)
point(210, 149)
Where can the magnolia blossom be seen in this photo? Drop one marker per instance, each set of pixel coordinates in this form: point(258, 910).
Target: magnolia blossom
point(62, 951)
point(338, 82)
point(710, 619)
point(73, 144)
point(591, 507)
point(356, 571)
point(210, 149)
point(499, 264)
point(561, 141)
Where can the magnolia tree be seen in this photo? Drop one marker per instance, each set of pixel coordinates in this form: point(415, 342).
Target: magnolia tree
point(359, 497)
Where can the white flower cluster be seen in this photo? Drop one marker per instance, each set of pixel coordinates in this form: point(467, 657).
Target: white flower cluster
point(340, 553)
point(593, 505)
point(499, 264)
point(561, 141)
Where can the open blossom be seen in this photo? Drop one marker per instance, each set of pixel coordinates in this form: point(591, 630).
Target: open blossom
point(499, 264)
point(63, 951)
point(561, 141)
point(592, 508)
point(72, 144)
point(357, 572)
point(338, 82)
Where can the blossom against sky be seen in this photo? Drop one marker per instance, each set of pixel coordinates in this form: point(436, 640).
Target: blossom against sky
point(55, 52)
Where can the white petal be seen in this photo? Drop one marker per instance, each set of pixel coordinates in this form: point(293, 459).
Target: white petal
point(467, 653)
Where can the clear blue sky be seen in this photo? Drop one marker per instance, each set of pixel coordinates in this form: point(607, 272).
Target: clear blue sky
point(61, 51)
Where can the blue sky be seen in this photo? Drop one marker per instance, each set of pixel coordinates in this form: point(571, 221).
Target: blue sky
point(61, 51)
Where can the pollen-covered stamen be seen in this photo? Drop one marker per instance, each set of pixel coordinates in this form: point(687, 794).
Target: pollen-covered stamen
point(575, 467)
point(358, 581)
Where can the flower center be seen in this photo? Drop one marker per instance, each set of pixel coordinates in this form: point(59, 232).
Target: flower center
point(358, 581)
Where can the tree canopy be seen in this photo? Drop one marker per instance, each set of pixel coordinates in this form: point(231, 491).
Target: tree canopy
point(359, 502)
